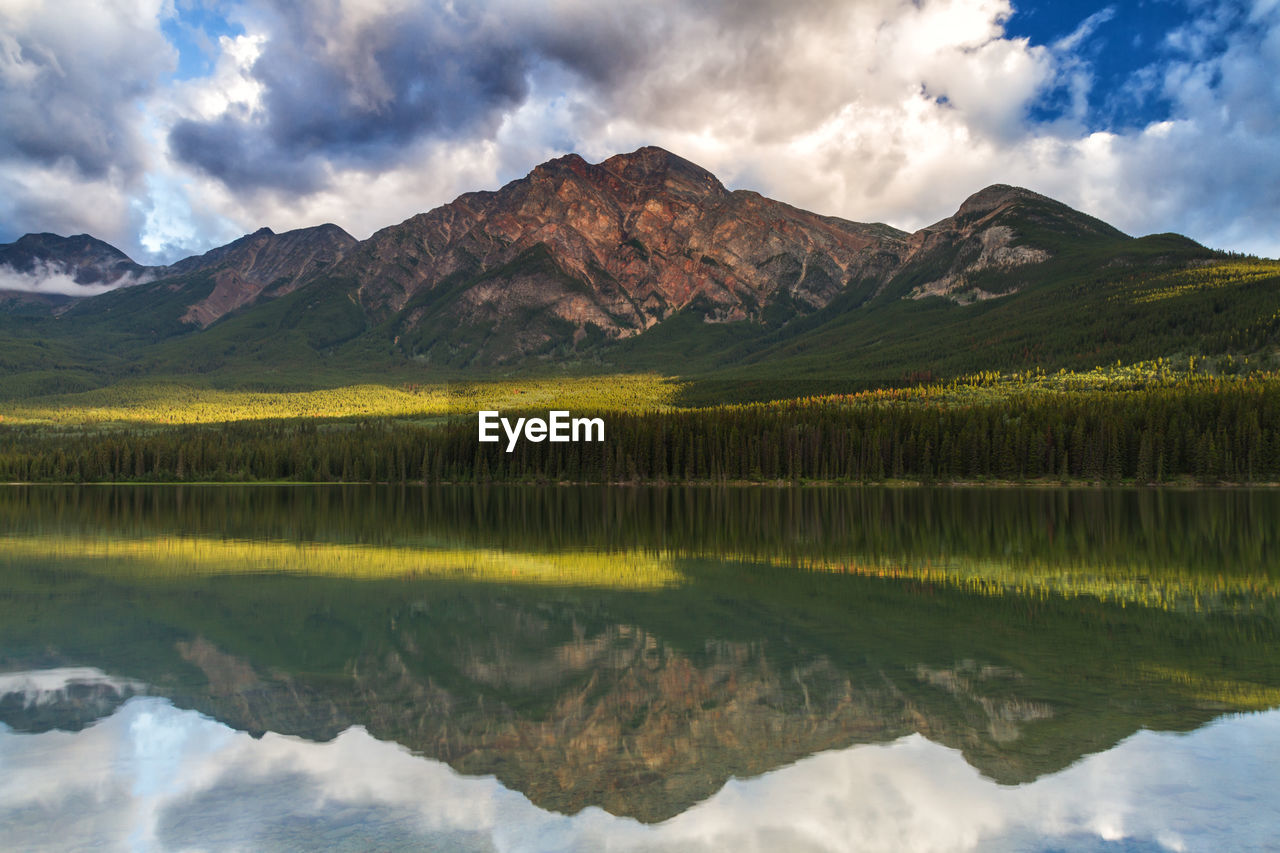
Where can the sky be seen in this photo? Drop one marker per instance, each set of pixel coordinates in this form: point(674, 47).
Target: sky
point(167, 127)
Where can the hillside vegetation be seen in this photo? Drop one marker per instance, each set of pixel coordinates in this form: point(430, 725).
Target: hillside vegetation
point(1210, 421)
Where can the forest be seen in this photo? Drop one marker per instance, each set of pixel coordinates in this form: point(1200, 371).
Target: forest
point(1206, 422)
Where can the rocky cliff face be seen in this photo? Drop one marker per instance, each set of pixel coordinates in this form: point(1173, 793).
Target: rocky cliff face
point(258, 264)
point(990, 232)
point(609, 250)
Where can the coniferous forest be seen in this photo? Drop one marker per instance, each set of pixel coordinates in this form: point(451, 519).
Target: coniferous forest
point(1179, 428)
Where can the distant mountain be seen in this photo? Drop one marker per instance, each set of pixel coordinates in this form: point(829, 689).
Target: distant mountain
point(48, 269)
point(86, 260)
point(646, 261)
point(258, 263)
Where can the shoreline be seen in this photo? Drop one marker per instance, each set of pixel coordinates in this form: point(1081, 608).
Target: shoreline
point(1055, 483)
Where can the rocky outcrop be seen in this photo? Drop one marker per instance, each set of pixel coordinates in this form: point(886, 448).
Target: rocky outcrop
point(261, 263)
point(611, 249)
point(990, 232)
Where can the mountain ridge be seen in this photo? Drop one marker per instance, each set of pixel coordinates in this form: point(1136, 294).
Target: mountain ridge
point(646, 261)
point(634, 183)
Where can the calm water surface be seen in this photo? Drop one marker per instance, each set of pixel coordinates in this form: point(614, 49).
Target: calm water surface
point(226, 668)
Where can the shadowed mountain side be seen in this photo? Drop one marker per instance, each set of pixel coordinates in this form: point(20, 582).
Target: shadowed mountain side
point(202, 289)
point(69, 267)
point(261, 264)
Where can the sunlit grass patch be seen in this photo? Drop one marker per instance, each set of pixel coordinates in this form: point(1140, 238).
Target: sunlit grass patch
point(625, 392)
point(1227, 274)
point(1227, 692)
point(165, 403)
point(1170, 589)
point(1185, 374)
point(177, 557)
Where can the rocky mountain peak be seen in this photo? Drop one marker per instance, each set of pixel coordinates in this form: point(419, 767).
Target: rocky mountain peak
point(994, 197)
point(654, 167)
point(261, 261)
point(577, 251)
point(560, 166)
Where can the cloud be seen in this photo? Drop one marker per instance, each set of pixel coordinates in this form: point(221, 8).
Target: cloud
point(1210, 170)
point(342, 87)
point(364, 112)
point(46, 686)
point(73, 78)
point(59, 199)
point(51, 277)
point(70, 79)
point(765, 91)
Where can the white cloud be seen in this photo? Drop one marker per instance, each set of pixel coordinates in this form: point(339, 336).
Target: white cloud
point(46, 686)
point(53, 278)
point(73, 78)
point(231, 86)
point(882, 110)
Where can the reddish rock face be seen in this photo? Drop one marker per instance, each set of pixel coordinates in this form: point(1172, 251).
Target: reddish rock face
point(578, 253)
point(618, 245)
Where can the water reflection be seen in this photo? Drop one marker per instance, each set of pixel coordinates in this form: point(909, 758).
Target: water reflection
point(631, 652)
point(156, 777)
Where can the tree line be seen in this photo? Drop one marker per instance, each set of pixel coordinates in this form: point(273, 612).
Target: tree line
point(1222, 431)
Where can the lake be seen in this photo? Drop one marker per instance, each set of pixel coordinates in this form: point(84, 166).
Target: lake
point(682, 668)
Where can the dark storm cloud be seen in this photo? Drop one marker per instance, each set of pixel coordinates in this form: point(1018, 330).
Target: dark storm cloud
point(68, 99)
point(345, 88)
point(355, 95)
point(241, 155)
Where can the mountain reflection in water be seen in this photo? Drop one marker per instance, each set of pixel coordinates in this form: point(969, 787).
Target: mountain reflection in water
point(581, 654)
point(158, 777)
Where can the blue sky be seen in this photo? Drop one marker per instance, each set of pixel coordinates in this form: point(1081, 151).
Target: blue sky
point(170, 126)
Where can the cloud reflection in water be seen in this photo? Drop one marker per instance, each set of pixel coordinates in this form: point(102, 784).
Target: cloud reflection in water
point(154, 777)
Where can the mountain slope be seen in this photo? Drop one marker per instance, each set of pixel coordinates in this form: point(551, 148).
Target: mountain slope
point(261, 263)
point(996, 229)
point(39, 272)
point(577, 252)
point(85, 260)
point(645, 261)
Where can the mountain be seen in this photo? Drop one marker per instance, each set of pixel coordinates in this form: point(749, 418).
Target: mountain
point(998, 228)
point(258, 263)
point(83, 259)
point(645, 261)
point(578, 251)
point(47, 271)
